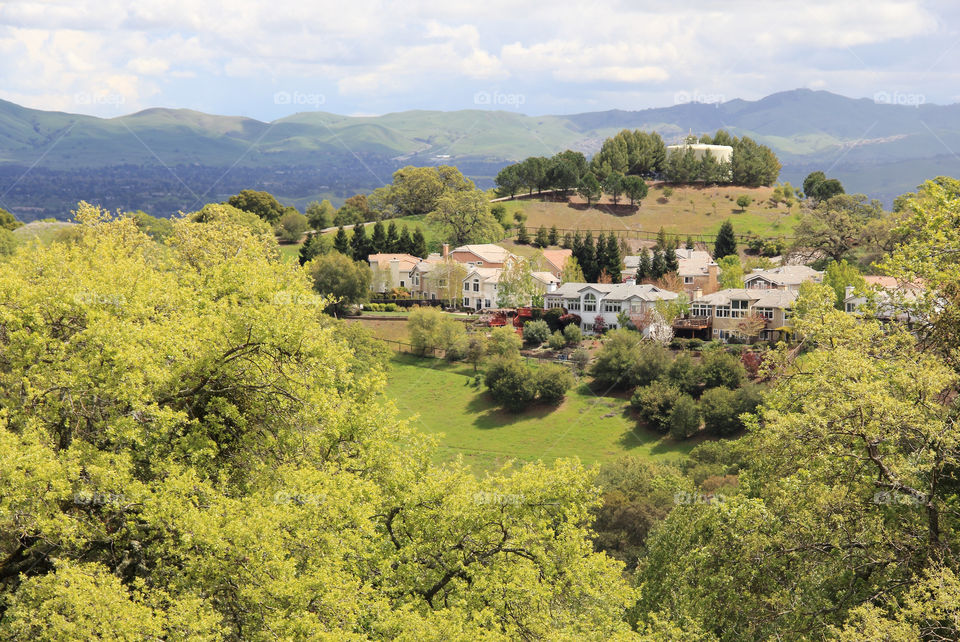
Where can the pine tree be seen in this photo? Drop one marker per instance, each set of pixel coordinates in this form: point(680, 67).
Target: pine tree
point(690, 244)
point(359, 243)
point(341, 243)
point(312, 248)
point(404, 243)
point(661, 239)
point(601, 252)
point(589, 260)
point(378, 240)
point(670, 259)
point(418, 245)
point(542, 239)
point(577, 247)
point(726, 243)
point(614, 259)
point(393, 241)
point(522, 237)
point(554, 237)
point(658, 266)
point(567, 243)
point(645, 267)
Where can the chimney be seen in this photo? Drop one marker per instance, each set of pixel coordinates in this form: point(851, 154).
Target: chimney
point(713, 275)
point(446, 250)
point(848, 291)
point(697, 293)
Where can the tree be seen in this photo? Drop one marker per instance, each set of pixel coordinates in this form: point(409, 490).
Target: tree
point(418, 244)
point(818, 187)
point(393, 239)
point(589, 188)
point(359, 243)
point(661, 239)
point(517, 285)
point(718, 368)
point(320, 215)
point(8, 242)
point(541, 239)
point(567, 242)
point(314, 246)
point(552, 380)
point(689, 244)
point(446, 277)
point(635, 188)
point(464, 217)
point(625, 360)
point(554, 237)
point(726, 243)
point(684, 418)
point(341, 242)
point(658, 266)
point(418, 190)
point(654, 403)
point(743, 201)
point(509, 180)
point(670, 261)
point(533, 173)
point(731, 272)
point(430, 329)
point(557, 341)
point(644, 266)
point(613, 185)
point(504, 342)
point(572, 272)
point(840, 275)
point(837, 226)
point(8, 221)
point(588, 258)
point(343, 280)
point(263, 204)
point(572, 334)
point(613, 262)
point(378, 240)
point(536, 332)
point(511, 383)
point(523, 238)
point(753, 165)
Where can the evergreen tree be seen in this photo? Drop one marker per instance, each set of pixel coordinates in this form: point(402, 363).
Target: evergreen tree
point(311, 248)
point(614, 259)
point(418, 245)
point(542, 239)
point(522, 236)
point(341, 243)
point(567, 242)
point(404, 243)
point(589, 260)
point(359, 243)
point(601, 252)
point(670, 259)
point(378, 240)
point(554, 237)
point(645, 267)
point(577, 247)
point(661, 239)
point(658, 266)
point(690, 244)
point(726, 243)
point(393, 241)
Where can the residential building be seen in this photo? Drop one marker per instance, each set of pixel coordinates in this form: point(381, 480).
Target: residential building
point(887, 300)
point(785, 277)
point(485, 255)
point(480, 286)
point(556, 260)
point(696, 268)
point(607, 300)
point(725, 314)
point(391, 271)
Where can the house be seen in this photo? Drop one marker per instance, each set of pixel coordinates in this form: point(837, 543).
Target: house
point(606, 300)
point(481, 255)
point(720, 153)
point(391, 271)
point(887, 300)
point(724, 314)
point(556, 260)
point(696, 268)
point(480, 286)
point(785, 277)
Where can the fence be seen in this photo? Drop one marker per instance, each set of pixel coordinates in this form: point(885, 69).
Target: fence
point(409, 303)
point(649, 235)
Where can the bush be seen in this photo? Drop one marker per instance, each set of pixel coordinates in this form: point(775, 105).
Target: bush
point(677, 343)
point(625, 360)
point(720, 410)
point(511, 383)
point(552, 382)
point(684, 374)
point(719, 368)
point(580, 358)
point(684, 418)
point(751, 362)
point(536, 332)
point(431, 328)
point(504, 342)
point(573, 334)
point(654, 403)
point(552, 317)
point(695, 344)
point(391, 307)
point(556, 341)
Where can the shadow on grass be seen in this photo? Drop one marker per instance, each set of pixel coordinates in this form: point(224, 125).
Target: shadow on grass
point(488, 415)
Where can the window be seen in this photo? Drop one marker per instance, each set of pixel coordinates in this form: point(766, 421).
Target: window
point(722, 312)
point(723, 335)
point(759, 284)
point(588, 327)
point(403, 283)
point(738, 308)
point(433, 296)
point(612, 306)
point(688, 280)
point(612, 326)
point(416, 280)
point(466, 302)
point(589, 302)
point(466, 287)
point(700, 310)
point(554, 303)
point(479, 263)
point(486, 303)
point(476, 285)
point(766, 313)
point(572, 304)
point(851, 307)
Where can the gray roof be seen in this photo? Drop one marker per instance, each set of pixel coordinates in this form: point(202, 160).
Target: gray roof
point(690, 262)
point(760, 298)
point(614, 291)
point(787, 275)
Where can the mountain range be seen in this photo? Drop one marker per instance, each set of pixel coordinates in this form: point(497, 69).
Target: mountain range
point(165, 160)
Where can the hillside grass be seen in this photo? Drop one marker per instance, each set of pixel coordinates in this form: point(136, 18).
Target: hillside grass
point(690, 210)
point(597, 428)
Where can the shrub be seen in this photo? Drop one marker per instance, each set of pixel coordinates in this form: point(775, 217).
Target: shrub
point(511, 383)
point(536, 332)
point(720, 410)
point(695, 344)
point(552, 317)
point(504, 342)
point(677, 343)
point(684, 418)
point(573, 334)
point(625, 360)
point(457, 347)
point(391, 307)
point(580, 358)
point(654, 403)
point(719, 368)
point(552, 382)
point(684, 374)
point(556, 341)
point(751, 362)
point(431, 328)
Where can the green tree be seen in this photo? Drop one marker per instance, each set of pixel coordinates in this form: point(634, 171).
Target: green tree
point(726, 243)
point(644, 266)
point(839, 275)
point(378, 240)
point(557, 341)
point(345, 281)
point(8, 221)
point(731, 272)
point(536, 332)
point(393, 239)
point(314, 246)
point(341, 242)
point(464, 217)
point(8, 242)
point(292, 226)
point(589, 188)
point(743, 202)
point(504, 342)
point(658, 266)
point(613, 185)
point(263, 204)
point(670, 260)
point(418, 190)
point(836, 227)
point(418, 244)
point(320, 215)
point(753, 165)
point(684, 418)
point(509, 180)
point(554, 236)
point(360, 248)
point(552, 380)
point(625, 360)
point(523, 237)
point(635, 188)
point(572, 334)
point(719, 368)
point(511, 383)
point(572, 273)
point(541, 239)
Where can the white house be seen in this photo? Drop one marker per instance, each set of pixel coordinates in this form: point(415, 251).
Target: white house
point(696, 268)
point(720, 153)
point(607, 300)
point(391, 271)
point(890, 299)
point(785, 277)
point(480, 286)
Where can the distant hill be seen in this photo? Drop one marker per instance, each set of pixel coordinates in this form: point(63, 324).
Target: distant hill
point(163, 160)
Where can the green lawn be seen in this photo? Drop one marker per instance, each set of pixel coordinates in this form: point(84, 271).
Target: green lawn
point(594, 428)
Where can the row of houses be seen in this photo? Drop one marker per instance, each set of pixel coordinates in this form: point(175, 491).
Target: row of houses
point(761, 308)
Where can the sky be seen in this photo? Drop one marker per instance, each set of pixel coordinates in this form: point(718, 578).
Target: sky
point(267, 60)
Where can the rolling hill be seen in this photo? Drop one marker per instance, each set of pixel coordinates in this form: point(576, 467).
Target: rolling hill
point(164, 160)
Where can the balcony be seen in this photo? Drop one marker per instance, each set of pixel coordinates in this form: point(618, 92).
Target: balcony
point(693, 323)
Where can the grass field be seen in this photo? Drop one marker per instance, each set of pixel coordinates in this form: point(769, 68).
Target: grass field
point(594, 428)
point(688, 211)
point(383, 329)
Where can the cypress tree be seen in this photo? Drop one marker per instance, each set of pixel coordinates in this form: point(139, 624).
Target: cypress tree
point(418, 246)
point(311, 248)
point(393, 241)
point(726, 242)
point(602, 257)
point(589, 261)
point(567, 243)
point(522, 237)
point(577, 247)
point(542, 239)
point(658, 266)
point(645, 267)
point(661, 240)
point(404, 243)
point(359, 243)
point(554, 237)
point(341, 243)
point(670, 259)
point(378, 240)
point(690, 244)
point(614, 260)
